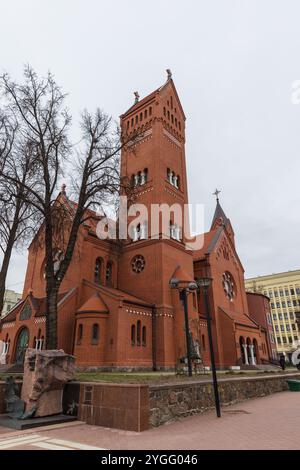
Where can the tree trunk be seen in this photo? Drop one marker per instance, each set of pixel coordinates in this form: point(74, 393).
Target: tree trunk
point(51, 320)
point(5, 264)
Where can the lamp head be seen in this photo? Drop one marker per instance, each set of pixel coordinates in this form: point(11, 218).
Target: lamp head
point(204, 282)
point(174, 283)
point(193, 286)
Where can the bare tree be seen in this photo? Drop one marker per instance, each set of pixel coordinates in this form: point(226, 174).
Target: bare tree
point(15, 213)
point(44, 123)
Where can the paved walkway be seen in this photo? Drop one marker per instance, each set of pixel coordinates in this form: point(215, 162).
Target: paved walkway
point(271, 422)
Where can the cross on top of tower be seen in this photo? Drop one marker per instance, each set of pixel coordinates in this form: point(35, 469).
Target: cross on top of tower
point(216, 193)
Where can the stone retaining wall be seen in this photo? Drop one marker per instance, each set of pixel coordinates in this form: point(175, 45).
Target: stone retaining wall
point(170, 402)
point(135, 407)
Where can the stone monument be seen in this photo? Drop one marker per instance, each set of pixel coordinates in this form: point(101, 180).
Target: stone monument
point(45, 374)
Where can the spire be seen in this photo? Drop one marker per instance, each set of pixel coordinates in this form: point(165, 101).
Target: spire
point(219, 215)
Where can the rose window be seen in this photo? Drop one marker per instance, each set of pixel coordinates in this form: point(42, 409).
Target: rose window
point(138, 263)
point(228, 285)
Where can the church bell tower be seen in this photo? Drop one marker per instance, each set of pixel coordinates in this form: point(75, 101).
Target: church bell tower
point(156, 168)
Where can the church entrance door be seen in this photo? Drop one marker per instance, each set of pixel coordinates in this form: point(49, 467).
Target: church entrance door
point(22, 345)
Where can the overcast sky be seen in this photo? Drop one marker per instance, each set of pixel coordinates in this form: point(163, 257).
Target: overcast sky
point(233, 63)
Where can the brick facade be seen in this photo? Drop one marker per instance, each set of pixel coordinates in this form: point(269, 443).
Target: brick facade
point(116, 308)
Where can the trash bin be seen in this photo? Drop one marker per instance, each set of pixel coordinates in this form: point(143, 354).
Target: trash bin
point(294, 385)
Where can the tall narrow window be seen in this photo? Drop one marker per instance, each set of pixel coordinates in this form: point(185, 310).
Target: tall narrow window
point(133, 335)
point(108, 274)
point(138, 333)
point(150, 111)
point(95, 333)
point(203, 342)
point(144, 336)
point(79, 333)
point(97, 272)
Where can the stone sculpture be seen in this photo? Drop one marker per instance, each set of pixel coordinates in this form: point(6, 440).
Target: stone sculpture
point(45, 374)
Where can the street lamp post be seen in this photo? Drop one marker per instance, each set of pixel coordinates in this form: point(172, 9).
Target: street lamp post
point(184, 289)
point(183, 296)
point(205, 283)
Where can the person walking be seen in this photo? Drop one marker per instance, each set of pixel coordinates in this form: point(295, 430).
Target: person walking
point(282, 361)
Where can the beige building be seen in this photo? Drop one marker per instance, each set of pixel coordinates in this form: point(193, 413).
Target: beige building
point(283, 289)
point(10, 299)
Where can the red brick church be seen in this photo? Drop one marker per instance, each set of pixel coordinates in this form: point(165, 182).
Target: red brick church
point(116, 308)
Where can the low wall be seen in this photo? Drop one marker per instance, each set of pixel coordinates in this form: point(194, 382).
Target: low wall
point(136, 407)
point(173, 401)
point(121, 406)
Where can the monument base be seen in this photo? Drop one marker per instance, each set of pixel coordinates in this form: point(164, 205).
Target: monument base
point(14, 423)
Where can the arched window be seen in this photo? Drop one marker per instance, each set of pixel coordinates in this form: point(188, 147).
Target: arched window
point(144, 336)
point(95, 333)
point(179, 125)
point(165, 111)
point(79, 333)
point(138, 333)
point(141, 116)
point(108, 274)
point(145, 114)
point(132, 122)
point(133, 335)
point(203, 342)
point(97, 272)
point(136, 119)
point(150, 111)
point(178, 181)
point(168, 114)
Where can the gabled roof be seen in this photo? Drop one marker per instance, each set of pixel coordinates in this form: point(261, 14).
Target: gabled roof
point(37, 304)
point(210, 241)
point(118, 294)
point(151, 97)
point(240, 318)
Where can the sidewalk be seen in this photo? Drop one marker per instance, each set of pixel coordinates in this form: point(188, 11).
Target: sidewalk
point(271, 422)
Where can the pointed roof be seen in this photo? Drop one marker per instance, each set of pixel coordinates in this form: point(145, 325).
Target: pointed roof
point(219, 215)
point(152, 95)
point(93, 304)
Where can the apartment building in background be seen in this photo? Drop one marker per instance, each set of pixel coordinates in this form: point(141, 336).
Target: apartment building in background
point(11, 298)
point(283, 289)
